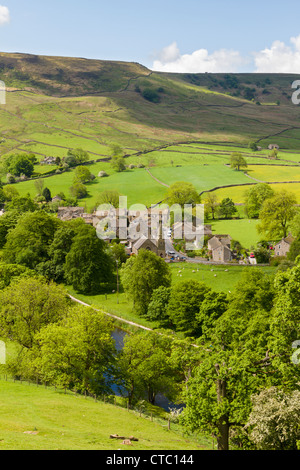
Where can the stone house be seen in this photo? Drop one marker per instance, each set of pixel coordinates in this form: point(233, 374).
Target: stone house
point(273, 146)
point(49, 161)
point(69, 213)
point(219, 246)
point(283, 247)
point(144, 243)
point(156, 246)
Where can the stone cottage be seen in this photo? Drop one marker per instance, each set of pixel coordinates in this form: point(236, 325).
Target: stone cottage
point(219, 246)
point(283, 247)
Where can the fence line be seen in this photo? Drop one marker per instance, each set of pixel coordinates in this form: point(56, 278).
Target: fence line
point(116, 400)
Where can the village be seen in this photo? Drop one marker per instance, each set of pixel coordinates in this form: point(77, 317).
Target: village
point(136, 231)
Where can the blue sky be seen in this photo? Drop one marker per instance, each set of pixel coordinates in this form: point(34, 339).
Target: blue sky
point(185, 35)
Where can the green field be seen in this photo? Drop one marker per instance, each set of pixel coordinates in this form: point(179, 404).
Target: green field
point(220, 278)
point(243, 230)
point(237, 193)
point(67, 422)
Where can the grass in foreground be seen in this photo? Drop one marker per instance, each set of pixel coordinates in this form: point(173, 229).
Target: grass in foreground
point(68, 422)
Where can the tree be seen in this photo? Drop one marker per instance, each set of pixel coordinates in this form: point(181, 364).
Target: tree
point(294, 250)
point(157, 309)
point(47, 194)
point(211, 204)
point(140, 276)
point(276, 214)
point(53, 267)
point(39, 185)
point(184, 305)
point(211, 308)
point(151, 95)
point(118, 252)
point(82, 175)
point(8, 221)
point(234, 362)
point(20, 164)
point(252, 146)
point(79, 155)
point(109, 197)
point(28, 242)
point(116, 150)
point(77, 352)
point(274, 154)
point(237, 161)
point(255, 197)
point(88, 267)
point(285, 326)
point(144, 367)
point(118, 164)
point(226, 208)
point(27, 305)
point(11, 272)
point(182, 193)
point(262, 255)
point(295, 225)
point(10, 192)
point(78, 190)
point(22, 204)
point(2, 196)
point(273, 423)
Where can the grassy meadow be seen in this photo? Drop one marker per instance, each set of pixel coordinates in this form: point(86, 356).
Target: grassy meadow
point(45, 419)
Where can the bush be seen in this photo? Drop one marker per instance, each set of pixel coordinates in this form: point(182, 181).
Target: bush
point(102, 174)
point(151, 95)
point(78, 190)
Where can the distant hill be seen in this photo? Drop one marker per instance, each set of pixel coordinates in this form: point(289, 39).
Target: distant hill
point(142, 109)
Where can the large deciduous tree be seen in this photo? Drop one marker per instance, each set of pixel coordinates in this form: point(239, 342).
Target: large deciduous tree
point(237, 161)
point(233, 358)
point(255, 197)
point(276, 214)
point(145, 368)
point(226, 209)
point(27, 305)
point(88, 267)
point(29, 241)
point(182, 193)
point(76, 352)
point(185, 301)
point(140, 276)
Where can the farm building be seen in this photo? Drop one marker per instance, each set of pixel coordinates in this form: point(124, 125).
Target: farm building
point(49, 161)
point(273, 146)
point(283, 247)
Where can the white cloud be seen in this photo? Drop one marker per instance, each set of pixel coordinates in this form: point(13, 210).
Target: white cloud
point(223, 60)
point(279, 58)
point(4, 15)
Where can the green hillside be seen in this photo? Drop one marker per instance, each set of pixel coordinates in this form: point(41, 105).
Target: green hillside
point(179, 126)
point(35, 418)
point(102, 102)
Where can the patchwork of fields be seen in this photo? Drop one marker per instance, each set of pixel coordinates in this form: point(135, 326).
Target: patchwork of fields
point(49, 126)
